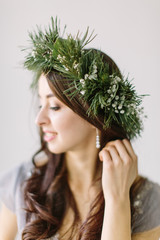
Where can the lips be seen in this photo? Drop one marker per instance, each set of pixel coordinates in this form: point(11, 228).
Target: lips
point(49, 136)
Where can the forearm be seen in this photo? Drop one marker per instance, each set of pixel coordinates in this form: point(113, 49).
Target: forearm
point(117, 220)
point(8, 224)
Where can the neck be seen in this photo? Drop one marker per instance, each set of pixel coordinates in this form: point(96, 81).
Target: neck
point(82, 167)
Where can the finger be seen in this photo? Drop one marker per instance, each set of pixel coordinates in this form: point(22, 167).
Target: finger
point(107, 160)
point(105, 155)
point(122, 150)
point(114, 154)
point(129, 149)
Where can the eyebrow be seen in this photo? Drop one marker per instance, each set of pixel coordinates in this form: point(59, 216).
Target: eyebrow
point(47, 96)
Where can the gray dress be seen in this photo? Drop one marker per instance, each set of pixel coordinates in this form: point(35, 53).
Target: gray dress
point(147, 201)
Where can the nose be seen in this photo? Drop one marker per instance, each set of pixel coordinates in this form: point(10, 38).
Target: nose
point(42, 117)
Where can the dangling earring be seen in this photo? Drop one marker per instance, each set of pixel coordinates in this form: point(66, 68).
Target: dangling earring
point(98, 145)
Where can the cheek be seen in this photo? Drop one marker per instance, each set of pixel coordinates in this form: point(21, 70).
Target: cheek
point(68, 123)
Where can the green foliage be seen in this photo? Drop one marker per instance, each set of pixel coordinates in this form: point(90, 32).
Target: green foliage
point(113, 96)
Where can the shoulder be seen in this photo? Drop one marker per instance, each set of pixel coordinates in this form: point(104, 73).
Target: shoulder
point(11, 182)
point(20, 172)
point(147, 207)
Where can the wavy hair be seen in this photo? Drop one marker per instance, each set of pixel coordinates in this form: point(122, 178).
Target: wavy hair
point(47, 194)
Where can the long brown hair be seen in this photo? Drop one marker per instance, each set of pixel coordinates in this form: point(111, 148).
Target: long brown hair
point(47, 193)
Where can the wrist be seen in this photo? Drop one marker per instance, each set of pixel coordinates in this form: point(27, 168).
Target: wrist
point(117, 202)
point(117, 215)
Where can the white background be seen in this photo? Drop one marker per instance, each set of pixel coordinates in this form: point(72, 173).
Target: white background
point(128, 31)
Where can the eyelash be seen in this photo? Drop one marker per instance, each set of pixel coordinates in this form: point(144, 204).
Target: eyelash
point(55, 108)
point(52, 108)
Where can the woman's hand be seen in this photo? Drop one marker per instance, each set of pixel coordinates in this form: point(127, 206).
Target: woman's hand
point(119, 169)
point(118, 173)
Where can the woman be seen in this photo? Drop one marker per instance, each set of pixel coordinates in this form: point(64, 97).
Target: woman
point(86, 185)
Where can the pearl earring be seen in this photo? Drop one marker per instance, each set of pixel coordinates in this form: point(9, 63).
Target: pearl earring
point(98, 145)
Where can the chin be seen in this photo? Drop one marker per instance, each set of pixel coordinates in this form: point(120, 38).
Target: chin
point(55, 150)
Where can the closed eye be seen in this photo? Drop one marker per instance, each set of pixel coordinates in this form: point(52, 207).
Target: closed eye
point(55, 108)
point(52, 108)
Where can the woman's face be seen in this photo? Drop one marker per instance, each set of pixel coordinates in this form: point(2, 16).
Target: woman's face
point(63, 129)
